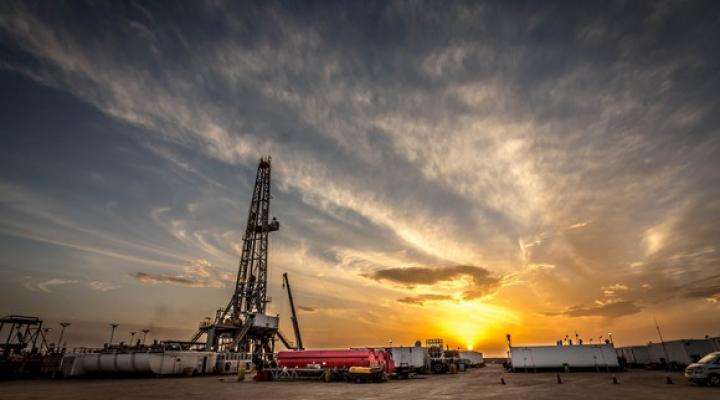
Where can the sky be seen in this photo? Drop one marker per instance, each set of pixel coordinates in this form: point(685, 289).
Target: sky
point(440, 169)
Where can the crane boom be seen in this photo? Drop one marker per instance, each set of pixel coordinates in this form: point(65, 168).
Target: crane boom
point(293, 317)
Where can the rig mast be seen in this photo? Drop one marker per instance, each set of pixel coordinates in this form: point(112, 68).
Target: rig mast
point(243, 326)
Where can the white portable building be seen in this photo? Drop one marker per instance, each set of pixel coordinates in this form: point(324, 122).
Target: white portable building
point(576, 356)
point(640, 355)
point(715, 343)
point(679, 352)
point(474, 357)
point(634, 355)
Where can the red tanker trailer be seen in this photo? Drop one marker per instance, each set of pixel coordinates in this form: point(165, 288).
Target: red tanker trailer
point(352, 364)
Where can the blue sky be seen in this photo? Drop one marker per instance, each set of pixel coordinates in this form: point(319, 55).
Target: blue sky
point(518, 166)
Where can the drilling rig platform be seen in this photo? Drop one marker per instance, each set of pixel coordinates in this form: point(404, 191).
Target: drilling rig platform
point(243, 326)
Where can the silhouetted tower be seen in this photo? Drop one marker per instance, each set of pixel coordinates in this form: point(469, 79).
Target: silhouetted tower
point(251, 284)
point(243, 326)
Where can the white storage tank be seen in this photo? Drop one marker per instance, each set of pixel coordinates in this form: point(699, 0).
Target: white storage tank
point(557, 357)
point(141, 363)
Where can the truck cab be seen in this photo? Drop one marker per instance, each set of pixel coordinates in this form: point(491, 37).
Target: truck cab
point(705, 371)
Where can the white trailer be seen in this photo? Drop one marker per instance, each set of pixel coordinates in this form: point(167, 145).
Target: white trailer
point(679, 353)
point(142, 363)
point(640, 355)
point(474, 358)
point(634, 355)
point(715, 343)
point(556, 357)
point(410, 359)
point(626, 354)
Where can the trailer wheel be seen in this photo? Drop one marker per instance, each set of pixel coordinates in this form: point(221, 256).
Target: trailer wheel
point(713, 380)
point(438, 368)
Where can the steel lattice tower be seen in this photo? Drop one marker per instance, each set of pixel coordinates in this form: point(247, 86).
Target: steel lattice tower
point(251, 284)
point(243, 325)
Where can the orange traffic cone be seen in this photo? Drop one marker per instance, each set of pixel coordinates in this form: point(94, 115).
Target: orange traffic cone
point(668, 380)
point(615, 381)
point(502, 380)
point(558, 379)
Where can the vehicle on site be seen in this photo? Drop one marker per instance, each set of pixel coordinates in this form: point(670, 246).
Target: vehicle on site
point(706, 371)
point(442, 360)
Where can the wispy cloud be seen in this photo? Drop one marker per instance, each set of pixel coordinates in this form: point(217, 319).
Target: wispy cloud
point(607, 310)
point(46, 286)
point(101, 286)
point(199, 274)
point(558, 175)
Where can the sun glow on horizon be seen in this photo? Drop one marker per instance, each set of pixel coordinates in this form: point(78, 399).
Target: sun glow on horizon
point(469, 324)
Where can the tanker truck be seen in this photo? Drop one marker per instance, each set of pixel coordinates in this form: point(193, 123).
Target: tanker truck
point(356, 365)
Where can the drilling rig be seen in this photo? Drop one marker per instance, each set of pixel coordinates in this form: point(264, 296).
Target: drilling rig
point(243, 326)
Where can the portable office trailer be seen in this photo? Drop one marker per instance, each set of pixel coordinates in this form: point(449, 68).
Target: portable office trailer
point(474, 358)
point(558, 357)
point(678, 353)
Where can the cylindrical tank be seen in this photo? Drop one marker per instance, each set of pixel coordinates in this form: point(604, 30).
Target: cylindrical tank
point(335, 359)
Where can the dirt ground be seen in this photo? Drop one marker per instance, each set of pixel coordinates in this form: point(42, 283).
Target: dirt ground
point(475, 384)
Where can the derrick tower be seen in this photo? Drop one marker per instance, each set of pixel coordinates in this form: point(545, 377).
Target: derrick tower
point(243, 326)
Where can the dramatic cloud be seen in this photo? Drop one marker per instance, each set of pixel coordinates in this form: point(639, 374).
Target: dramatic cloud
point(429, 276)
point(569, 149)
point(199, 274)
point(481, 284)
point(422, 298)
point(607, 310)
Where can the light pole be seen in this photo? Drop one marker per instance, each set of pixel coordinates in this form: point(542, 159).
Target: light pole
point(132, 337)
point(64, 325)
point(611, 339)
point(112, 332)
point(145, 332)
